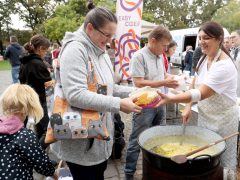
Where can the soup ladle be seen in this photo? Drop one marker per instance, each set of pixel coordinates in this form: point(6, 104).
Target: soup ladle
point(182, 158)
point(183, 133)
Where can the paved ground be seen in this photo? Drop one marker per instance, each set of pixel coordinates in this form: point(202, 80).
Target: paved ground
point(5, 80)
point(115, 167)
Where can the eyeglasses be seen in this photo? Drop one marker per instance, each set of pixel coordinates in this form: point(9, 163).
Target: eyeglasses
point(106, 35)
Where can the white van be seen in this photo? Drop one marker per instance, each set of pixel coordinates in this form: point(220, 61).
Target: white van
point(183, 38)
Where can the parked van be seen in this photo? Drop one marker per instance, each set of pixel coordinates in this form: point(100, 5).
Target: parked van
point(183, 38)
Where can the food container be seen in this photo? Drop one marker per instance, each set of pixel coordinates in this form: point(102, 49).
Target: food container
point(182, 83)
point(146, 97)
point(195, 165)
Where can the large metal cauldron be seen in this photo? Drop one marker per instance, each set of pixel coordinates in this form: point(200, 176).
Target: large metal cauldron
point(193, 166)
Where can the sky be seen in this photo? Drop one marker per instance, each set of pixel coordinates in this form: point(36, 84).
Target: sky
point(17, 23)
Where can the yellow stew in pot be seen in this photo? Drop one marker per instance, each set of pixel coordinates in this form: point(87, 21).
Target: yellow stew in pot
point(169, 146)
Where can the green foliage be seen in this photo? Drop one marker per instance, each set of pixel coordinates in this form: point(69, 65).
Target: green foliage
point(143, 42)
point(5, 65)
point(65, 19)
point(203, 10)
point(171, 13)
point(229, 15)
point(70, 16)
point(148, 17)
point(34, 12)
point(110, 4)
point(6, 7)
point(55, 17)
point(22, 35)
point(178, 14)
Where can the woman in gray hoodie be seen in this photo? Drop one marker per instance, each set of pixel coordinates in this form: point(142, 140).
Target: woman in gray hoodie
point(78, 49)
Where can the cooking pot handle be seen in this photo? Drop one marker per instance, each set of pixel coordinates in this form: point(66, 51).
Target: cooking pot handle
point(202, 155)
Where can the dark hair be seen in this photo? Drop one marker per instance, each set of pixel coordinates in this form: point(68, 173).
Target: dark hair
point(171, 44)
point(98, 17)
point(214, 30)
point(90, 5)
point(35, 43)
point(160, 32)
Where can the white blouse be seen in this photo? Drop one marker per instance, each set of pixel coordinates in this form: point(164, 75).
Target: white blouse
point(221, 77)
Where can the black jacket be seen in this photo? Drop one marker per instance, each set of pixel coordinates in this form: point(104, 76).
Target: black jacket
point(13, 53)
point(34, 72)
point(20, 153)
point(196, 56)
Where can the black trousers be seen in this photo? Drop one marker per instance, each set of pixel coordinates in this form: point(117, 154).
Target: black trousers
point(95, 172)
point(41, 127)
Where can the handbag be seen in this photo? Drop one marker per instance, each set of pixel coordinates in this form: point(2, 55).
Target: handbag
point(68, 122)
point(61, 173)
point(118, 141)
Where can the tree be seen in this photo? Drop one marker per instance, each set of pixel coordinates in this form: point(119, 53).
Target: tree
point(229, 15)
point(22, 35)
point(110, 4)
point(65, 19)
point(172, 13)
point(5, 20)
point(69, 16)
point(182, 13)
point(203, 10)
point(34, 12)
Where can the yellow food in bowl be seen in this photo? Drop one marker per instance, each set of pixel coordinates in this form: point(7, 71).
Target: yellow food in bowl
point(145, 98)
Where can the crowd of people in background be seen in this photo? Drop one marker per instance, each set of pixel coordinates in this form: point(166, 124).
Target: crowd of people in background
point(33, 65)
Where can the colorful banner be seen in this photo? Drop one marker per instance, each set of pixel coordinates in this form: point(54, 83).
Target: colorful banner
point(129, 14)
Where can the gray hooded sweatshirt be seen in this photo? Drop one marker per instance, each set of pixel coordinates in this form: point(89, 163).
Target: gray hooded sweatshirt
point(74, 61)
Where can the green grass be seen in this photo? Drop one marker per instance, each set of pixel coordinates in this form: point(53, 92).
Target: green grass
point(5, 65)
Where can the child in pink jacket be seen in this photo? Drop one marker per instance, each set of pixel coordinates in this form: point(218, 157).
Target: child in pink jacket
point(20, 151)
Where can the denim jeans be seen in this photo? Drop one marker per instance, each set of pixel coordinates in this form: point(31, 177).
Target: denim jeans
point(15, 74)
point(188, 67)
point(141, 121)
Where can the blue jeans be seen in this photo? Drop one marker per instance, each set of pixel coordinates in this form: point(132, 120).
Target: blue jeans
point(141, 121)
point(188, 67)
point(15, 74)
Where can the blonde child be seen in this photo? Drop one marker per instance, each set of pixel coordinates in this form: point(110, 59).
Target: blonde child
point(20, 151)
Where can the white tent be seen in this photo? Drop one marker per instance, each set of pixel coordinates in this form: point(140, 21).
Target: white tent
point(147, 27)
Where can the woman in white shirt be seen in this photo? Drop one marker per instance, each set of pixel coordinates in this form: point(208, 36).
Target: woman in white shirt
point(214, 88)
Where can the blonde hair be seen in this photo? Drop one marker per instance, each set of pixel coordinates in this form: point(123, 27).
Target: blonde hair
point(20, 98)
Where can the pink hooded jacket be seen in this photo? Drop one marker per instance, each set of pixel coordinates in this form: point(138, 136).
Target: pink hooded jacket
point(10, 124)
